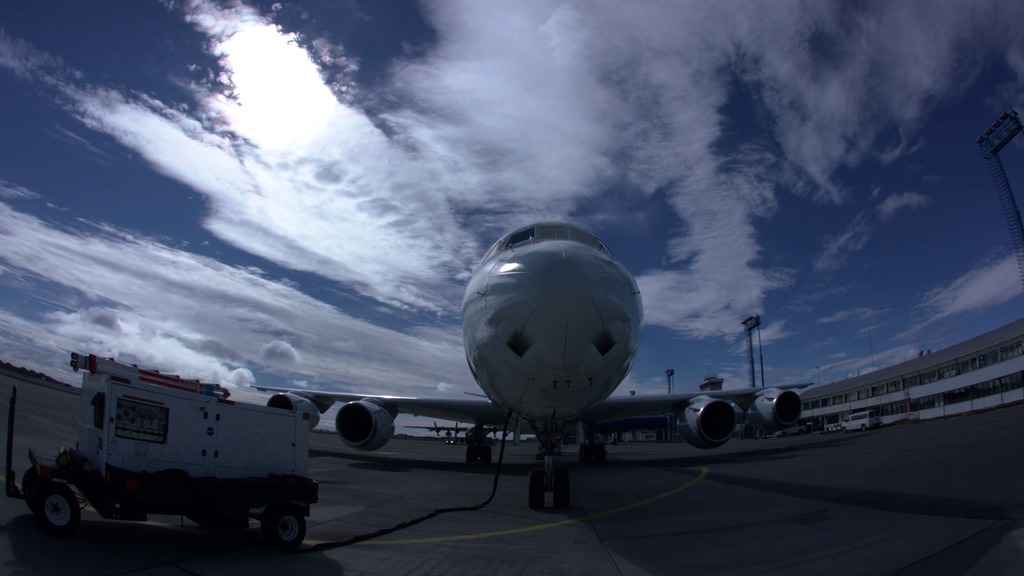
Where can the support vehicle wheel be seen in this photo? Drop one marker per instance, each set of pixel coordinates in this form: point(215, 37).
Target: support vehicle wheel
point(536, 489)
point(56, 508)
point(283, 528)
point(28, 484)
point(486, 456)
point(470, 453)
point(561, 499)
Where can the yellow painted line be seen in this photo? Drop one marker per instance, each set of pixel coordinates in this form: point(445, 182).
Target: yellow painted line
point(547, 525)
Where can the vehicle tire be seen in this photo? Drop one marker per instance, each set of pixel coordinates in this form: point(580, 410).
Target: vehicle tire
point(28, 484)
point(486, 455)
point(536, 489)
point(283, 528)
point(863, 427)
point(471, 453)
point(561, 499)
point(56, 508)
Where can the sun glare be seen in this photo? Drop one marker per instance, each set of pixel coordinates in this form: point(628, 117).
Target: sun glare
point(279, 100)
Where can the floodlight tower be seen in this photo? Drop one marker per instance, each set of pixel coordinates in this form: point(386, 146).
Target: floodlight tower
point(749, 324)
point(991, 142)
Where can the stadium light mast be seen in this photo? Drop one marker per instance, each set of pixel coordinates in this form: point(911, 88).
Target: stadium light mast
point(749, 324)
point(991, 142)
point(669, 374)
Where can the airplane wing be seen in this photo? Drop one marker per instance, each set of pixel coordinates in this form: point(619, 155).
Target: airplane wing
point(459, 409)
point(482, 410)
point(618, 407)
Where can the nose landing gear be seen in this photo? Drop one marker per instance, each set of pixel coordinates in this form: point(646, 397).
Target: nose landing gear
point(549, 478)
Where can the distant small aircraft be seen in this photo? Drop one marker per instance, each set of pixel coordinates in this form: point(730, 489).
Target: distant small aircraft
point(452, 432)
point(551, 326)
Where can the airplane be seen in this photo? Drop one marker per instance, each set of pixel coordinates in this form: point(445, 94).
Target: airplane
point(551, 326)
point(450, 432)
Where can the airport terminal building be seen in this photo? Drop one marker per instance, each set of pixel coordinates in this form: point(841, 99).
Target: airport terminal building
point(982, 372)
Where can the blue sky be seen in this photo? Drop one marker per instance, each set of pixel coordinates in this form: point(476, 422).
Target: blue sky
point(295, 193)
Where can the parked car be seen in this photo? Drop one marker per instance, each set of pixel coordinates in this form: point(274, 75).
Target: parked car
point(791, 431)
point(861, 421)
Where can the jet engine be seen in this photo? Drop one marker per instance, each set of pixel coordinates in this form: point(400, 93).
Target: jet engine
point(365, 425)
point(290, 401)
point(708, 422)
point(774, 409)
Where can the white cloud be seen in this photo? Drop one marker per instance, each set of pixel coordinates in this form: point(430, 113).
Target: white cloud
point(851, 314)
point(279, 352)
point(11, 191)
point(895, 202)
point(168, 308)
point(987, 284)
point(837, 248)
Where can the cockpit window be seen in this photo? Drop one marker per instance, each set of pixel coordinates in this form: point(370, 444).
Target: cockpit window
point(548, 231)
point(520, 237)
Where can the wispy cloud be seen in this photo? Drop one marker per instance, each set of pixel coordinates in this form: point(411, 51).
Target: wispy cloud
point(852, 314)
point(896, 202)
point(987, 284)
point(837, 248)
point(139, 299)
point(9, 191)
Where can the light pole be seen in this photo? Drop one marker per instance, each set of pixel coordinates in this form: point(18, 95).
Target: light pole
point(749, 324)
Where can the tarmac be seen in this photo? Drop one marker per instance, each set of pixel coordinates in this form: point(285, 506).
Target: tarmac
point(935, 497)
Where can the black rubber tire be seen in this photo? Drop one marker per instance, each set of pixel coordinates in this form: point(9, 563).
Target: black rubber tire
point(56, 508)
point(284, 528)
point(471, 453)
point(28, 484)
point(561, 496)
point(536, 500)
point(486, 457)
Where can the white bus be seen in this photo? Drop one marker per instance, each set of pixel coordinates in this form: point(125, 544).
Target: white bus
point(861, 421)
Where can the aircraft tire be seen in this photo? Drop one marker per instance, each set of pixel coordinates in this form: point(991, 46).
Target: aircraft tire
point(561, 499)
point(536, 489)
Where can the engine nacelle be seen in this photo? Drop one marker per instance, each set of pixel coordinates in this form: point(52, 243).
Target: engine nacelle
point(708, 422)
point(365, 425)
point(290, 401)
point(774, 409)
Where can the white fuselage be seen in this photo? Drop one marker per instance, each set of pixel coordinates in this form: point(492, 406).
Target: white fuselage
point(551, 322)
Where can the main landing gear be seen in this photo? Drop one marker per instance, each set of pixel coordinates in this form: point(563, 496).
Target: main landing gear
point(549, 478)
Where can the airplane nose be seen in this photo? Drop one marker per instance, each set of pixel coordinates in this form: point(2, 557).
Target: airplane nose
point(563, 318)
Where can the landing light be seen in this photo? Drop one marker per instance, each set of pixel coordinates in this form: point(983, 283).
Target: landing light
point(508, 267)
